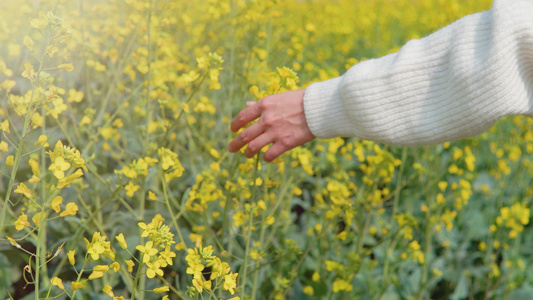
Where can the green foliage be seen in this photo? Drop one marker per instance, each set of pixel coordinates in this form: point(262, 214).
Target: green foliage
point(116, 181)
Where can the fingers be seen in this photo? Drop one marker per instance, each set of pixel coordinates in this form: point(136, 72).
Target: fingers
point(247, 115)
point(273, 152)
point(245, 137)
point(281, 123)
point(257, 144)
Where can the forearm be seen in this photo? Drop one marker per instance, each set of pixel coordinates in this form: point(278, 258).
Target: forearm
point(452, 84)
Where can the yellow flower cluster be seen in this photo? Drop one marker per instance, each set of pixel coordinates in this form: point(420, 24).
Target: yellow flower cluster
point(514, 218)
point(170, 164)
point(200, 258)
point(63, 159)
point(157, 251)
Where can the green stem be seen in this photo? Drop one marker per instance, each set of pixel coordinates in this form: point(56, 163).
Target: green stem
point(427, 249)
point(174, 219)
point(244, 267)
point(78, 234)
point(81, 273)
point(229, 108)
point(366, 225)
point(136, 280)
point(149, 83)
point(18, 153)
point(261, 239)
point(388, 248)
point(172, 288)
point(227, 205)
point(41, 235)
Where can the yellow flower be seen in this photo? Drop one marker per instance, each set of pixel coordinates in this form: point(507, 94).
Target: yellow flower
point(131, 188)
point(200, 284)
point(315, 277)
point(37, 120)
point(99, 246)
point(64, 182)
point(180, 246)
point(152, 196)
point(35, 170)
point(74, 96)
point(341, 285)
point(453, 169)
point(71, 257)
point(101, 268)
point(29, 72)
point(130, 264)
point(10, 161)
point(42, 141)
point(55, 204)
point(122, 241)
point(51, 50)
point(342, 235)
point(148, 251)
point(214, 153)
point(516, 216)
point(170, 164)
point(66, 67)
point(70, 210)
point(195, 268)
point(308, 290)
point(57, 282)
point(85, 120)
point(76, 285)
point(108, 290)
point(24, 190)
point(162, 289)
point(166, 256)
point(153, 269)
point(4, 147)
point(36, 219)
point(96, 275)
point(482, 246)
point(22, 222)
point(115, 266)
point(59, 167)
point(118, 123)
point(230, 282)
point(13, 242)
point(5, 127)
point(28, 42)
point(98, 272)
point(440, 199)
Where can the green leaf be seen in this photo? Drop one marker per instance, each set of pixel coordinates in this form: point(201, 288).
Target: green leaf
point(523, 293)
point(461, 290)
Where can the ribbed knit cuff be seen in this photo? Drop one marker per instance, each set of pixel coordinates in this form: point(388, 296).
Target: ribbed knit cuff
point(324, 110)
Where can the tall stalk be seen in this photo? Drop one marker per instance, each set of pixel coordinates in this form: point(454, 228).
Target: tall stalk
point(146, 143)
point(18, 153)
point(244, 267)
point(390, 244)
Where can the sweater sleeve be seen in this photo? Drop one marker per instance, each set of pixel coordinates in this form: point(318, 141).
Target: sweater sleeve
point(452, 84)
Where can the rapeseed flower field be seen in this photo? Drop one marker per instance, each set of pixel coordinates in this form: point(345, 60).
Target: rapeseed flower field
point(116, 182)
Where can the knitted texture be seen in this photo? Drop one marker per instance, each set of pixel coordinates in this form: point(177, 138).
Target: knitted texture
point(452, 84)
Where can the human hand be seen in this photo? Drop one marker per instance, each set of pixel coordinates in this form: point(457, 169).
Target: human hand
point(281, 123)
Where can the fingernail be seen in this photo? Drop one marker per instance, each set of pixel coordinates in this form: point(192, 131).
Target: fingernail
point(250, 103)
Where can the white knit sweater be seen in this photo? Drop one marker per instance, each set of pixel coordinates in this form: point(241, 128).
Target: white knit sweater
point(452, 84)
